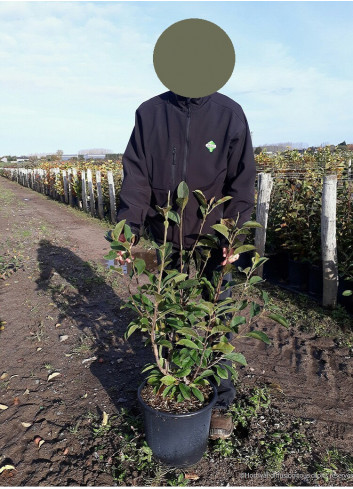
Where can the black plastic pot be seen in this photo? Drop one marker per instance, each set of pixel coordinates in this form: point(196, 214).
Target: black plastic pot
point(315, 284)
point(346, 301)
point(298, 274)
point(275, 268)
point(178, 440)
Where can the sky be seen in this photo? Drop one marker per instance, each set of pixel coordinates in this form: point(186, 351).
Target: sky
point(72, 74)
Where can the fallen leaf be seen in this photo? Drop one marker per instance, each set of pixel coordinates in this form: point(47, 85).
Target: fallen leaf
point(53, 375)
point(105, 419)
point(16, 401)
point(4, 375)
point(37, 440)
point(51, 304)
point(41, 443)
point(39, 348)
point(6, 467)
point(3, 407)
point(26, 392)
point(66, 451)
point(58, 325)
point(192, 477)
point(26, 425)
point(89, 360)
point(63, 337)
point(84, 396)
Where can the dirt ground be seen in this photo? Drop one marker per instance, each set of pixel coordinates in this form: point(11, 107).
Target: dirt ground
point(61, 315)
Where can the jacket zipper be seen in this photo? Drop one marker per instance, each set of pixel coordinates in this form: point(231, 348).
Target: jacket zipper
point(173, 168)
point(186, 142)
point(185, 157)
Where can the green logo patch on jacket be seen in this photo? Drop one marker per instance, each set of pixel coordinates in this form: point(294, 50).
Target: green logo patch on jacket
point(211, 146)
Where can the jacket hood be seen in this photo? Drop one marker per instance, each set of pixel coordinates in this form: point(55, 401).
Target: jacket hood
point(182, 102)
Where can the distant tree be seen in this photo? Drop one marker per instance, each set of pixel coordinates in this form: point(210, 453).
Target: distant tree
point(258, 150)
point(342, 144)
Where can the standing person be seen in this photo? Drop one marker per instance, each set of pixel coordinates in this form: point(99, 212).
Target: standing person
point(206, 142)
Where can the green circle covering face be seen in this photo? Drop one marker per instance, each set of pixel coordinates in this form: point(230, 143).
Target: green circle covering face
point(194, 58)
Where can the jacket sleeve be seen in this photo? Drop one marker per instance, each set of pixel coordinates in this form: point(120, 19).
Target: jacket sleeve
point(135, 192)
point(240, 180)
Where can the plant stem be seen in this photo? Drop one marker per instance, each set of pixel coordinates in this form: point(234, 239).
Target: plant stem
point(154, 320)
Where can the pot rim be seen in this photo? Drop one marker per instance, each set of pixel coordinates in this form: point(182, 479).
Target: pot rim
point(177, 415)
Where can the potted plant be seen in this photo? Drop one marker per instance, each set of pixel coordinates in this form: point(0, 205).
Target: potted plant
point(188, 335)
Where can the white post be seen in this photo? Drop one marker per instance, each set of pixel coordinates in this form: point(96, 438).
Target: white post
point(91, 193)
point(99, 194)
point(265, 183)
point(112, 197)
point(66, 185)
point(328, 241)
point(84, 192)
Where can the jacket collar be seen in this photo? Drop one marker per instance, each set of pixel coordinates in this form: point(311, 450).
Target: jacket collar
point(183, 102)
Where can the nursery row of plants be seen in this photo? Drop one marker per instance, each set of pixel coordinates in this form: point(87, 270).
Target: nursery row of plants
point(294, 220)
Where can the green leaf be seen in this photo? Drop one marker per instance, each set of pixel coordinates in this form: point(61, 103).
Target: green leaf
point(243, 248)
point(217, 379)
point(255, 279)
point(188, 331)
point(222, 200)
point(185, 390)
point(236, 357)
point(255, 309)
point(140, 265)
point(149, 367)
point(252, 224)
point(117, 245)
point(184, 372)
point(188, 343)
point(167, 390)
point(347, 292)
point(232, 370)
point(205, 373)
point(223, 347)
point(183, 195)
point(237, 320)
point(165, 343)
point(221, 229)
point(160, 210)
point(259, 335)
point(197, 393)
point(265, 297)
point(279, 319)
point(174, 216)
point(111, 255)
point(186, 284)
point(127, 233)
point(132, 328)
point(207, 243)
point(117, 231)
point(183, 190)
point(220, 329)
point(223, 373)
point(168, 380)
point(200, 197)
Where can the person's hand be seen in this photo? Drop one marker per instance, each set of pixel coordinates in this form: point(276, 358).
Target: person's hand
point(119, 258)
point(231, 258)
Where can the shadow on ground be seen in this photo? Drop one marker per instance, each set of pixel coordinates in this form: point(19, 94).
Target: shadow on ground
point(93, 306)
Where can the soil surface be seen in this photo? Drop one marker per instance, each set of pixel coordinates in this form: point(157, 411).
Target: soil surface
point(61, 315)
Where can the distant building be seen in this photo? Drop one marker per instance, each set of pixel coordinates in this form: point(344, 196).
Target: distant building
point(68, 157)
point(94, 157)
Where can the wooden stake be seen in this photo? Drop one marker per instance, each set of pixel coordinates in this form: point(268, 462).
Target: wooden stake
point(265, 183)
point(328, 241)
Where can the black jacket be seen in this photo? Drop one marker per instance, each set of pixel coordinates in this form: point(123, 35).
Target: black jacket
point(204, 141)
